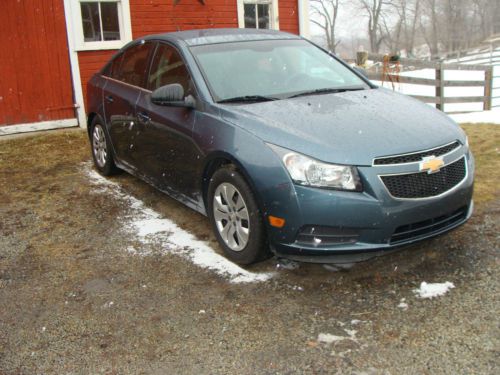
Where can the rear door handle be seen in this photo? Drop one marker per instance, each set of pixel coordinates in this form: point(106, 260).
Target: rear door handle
point(143, 117)
point(109, 99)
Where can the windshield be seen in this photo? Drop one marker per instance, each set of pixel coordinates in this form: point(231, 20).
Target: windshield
point(273, 69)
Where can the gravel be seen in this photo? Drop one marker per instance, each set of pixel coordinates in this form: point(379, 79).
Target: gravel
point(75, 300)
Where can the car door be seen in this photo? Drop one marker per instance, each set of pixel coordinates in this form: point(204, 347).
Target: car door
point(165, 148)
point(125, 81)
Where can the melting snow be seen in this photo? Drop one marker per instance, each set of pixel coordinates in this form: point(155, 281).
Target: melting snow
point(402, 304)
point(433, 290)
point(150, 227)
point(491, 117)
point(329, 338)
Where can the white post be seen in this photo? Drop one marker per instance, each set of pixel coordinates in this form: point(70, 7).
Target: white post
point(303, 6)
point(75, 67)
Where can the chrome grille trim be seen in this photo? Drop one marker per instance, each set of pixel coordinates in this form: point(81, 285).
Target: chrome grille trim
point(417, 155)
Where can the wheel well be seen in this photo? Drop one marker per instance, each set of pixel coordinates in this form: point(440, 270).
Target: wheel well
point(90, 118)
point(218, 162)
point(210, 169)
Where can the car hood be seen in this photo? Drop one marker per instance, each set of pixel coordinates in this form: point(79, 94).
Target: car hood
point(347, 128)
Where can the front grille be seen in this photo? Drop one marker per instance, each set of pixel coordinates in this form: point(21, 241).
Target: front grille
point(424, 228)
point(415, 157)
point(424, 185)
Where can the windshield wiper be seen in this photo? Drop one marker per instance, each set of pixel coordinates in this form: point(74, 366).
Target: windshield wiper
point(326, 91)
point(248, 98)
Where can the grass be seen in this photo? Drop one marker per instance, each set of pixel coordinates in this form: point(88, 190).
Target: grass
point(37, 153)
point(484, 141)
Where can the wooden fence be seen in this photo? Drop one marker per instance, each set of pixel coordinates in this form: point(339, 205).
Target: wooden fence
point(377, 73)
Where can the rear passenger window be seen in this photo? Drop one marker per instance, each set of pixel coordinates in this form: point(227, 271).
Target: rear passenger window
point(131, 66)
point(114, 68)
point(167, 68)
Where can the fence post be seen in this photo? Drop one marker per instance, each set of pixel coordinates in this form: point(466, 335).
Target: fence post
point(488, 88)
point(440, 87)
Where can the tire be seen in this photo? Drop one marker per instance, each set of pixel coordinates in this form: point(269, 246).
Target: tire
point(229, 197)
point(100, 146)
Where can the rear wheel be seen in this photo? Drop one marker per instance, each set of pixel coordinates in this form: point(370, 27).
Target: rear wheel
point(101, 149)
point(235, 217)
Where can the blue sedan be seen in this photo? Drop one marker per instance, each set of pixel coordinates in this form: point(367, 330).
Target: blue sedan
point(283, 146)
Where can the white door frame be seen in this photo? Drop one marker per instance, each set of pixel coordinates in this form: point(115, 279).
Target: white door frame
point(75, 67)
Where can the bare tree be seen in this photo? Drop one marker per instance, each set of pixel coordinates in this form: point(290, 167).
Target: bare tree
point(409, 14)
point(326, 12)
point(429, 26)
point(376, 10)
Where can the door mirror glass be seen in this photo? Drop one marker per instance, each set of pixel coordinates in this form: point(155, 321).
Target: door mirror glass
point(172, 95)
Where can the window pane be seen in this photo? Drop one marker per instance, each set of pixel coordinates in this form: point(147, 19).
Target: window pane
point(263, 14)
point(90, 21)
point(110, 24)
point(249, 14)
point(135, 63)
point(167, 68)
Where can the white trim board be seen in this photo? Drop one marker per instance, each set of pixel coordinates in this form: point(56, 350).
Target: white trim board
point(37, 126)
point(75, 67)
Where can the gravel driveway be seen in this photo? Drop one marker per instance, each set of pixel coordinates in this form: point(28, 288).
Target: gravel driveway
point(85, 288)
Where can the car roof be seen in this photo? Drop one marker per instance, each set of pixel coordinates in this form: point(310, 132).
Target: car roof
point(213, 36)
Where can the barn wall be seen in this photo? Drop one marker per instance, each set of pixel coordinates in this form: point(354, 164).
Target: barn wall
point(289, 16)
point(159, 16)
point(35, 78)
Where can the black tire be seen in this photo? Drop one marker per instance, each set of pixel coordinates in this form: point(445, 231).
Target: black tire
point(256, 247)
point(104, 165)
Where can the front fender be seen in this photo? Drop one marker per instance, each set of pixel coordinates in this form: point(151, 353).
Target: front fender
point(262, 168)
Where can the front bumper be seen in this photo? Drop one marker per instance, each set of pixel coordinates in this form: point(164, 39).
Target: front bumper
point(374, 216)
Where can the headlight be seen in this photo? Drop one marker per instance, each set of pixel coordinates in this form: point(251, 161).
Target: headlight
point(307, 171)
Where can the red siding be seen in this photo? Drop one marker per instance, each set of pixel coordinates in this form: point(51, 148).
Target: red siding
point(90, 62)
point(35, 78)
point(289, 16)
point(159, 16)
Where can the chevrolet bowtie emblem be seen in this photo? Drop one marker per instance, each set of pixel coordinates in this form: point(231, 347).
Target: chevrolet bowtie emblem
point(431, 164)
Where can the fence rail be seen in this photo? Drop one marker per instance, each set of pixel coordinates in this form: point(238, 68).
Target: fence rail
point(376, 73)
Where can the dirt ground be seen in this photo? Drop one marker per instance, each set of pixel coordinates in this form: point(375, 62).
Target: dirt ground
point(74, 300)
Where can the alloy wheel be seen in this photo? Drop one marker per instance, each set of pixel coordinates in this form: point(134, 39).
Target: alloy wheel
point(231, 216)
point(99, 145)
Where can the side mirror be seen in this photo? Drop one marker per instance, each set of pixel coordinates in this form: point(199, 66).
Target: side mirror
point(172, 95)
point(361, 71)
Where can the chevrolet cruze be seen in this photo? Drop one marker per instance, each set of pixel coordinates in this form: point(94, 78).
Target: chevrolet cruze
point(283, 146)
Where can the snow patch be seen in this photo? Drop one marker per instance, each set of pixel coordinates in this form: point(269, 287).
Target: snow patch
point(329, 338)
point(431, 290)
point(402, 304)
point(491, 117)
point(150, 227)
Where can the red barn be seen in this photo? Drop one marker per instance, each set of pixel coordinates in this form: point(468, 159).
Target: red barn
point(50, 48)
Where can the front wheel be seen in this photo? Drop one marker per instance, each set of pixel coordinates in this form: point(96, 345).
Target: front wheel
point(235, 217)
point(101, 150)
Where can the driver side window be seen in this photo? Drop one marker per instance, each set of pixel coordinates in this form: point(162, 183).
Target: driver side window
point(168, 67)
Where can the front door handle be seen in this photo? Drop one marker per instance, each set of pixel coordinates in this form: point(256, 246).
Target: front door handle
point(109, 99)
point(144, 117)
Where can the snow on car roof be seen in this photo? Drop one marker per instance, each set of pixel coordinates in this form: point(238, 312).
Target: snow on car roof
point(222, 35)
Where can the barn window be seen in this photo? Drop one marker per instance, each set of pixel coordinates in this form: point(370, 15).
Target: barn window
point(258, 14)
point(100, 21)
point(101, 24)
